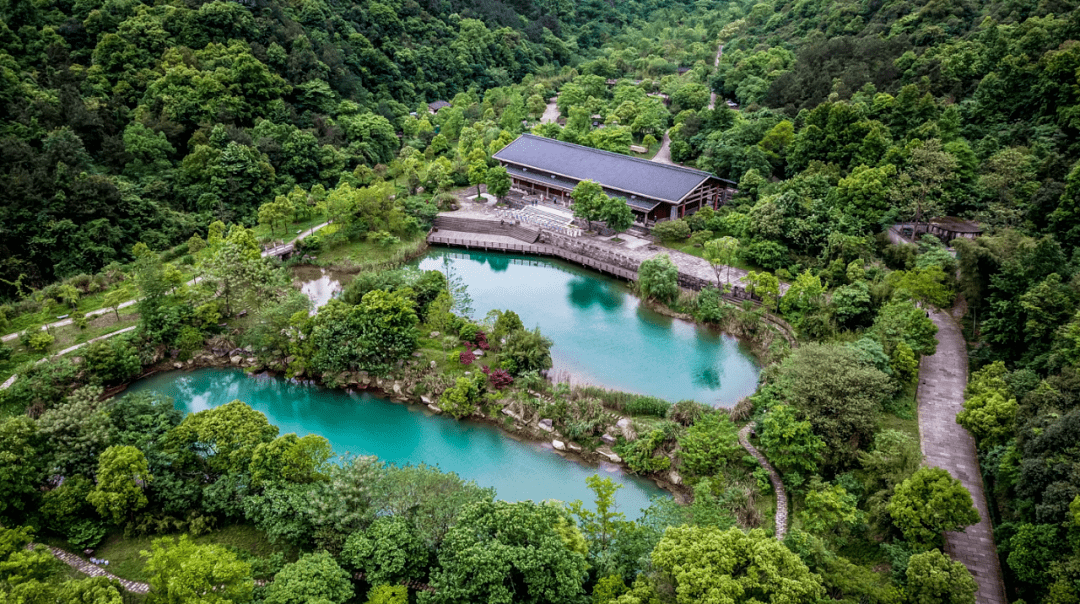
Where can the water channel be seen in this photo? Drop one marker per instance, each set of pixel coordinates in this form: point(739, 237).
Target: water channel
point(602, 333)
point(362, 424)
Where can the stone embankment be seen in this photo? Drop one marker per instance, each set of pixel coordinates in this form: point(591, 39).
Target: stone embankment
point(487, 231)
point(774, 478)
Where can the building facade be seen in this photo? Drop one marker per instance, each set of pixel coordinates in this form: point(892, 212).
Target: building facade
point(654, 191)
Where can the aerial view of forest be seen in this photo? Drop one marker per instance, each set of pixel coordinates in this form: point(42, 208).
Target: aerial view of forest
point(404, 301)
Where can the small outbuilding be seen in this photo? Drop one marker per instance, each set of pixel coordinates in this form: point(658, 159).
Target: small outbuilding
point(948, 228)
point(437, 105)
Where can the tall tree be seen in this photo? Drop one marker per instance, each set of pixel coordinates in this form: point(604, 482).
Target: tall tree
point(182, 572)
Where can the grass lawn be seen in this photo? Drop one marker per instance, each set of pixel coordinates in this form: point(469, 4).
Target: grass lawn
point(66, 336)
point(902, 416)
point(688, 248)
point(292, 231)
point(651, 153)
point(355, 255)
point(125, 561)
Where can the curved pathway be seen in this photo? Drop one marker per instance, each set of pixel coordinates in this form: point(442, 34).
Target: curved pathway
point(551, 112)
point(93, 313)
point(774, 478)
point(663, 156)
point(946, 444)
point(93, 570)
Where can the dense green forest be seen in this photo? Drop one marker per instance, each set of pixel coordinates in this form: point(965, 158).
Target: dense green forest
point(145, 145)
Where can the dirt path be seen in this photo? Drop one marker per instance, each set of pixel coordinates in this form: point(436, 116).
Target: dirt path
point(946, 444)
point(774, 478)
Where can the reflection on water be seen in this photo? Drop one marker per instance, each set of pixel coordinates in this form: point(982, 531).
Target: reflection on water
point(318, 284)
point(602, 334)
point(362, 424)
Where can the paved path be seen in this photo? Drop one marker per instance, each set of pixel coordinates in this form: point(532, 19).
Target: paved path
point(11, 336)
point(774, 478)
point(945, 444)
point(663, 156)
point(94, 570)
point(551, 112)
point(716, 63)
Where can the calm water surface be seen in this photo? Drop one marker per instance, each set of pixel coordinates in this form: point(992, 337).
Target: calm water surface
point(363, 424)
point(602, 334)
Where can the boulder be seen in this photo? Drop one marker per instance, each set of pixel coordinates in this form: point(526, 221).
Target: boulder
point(609, 455)
point(425, 399)
point(397, 388)
point(607, 438)
point(236, 360)
point(478, 353)
point(546, 425)
point(559, 445)
point(435, 334)
point(434, 365)
point(573, 447)
point(434, 408)
point(626, 428)
point(674, 478)
point(508, 412)
point(178, 365)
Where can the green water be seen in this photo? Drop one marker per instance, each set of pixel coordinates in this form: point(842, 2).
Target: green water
point(362, 424)
point(602, 334)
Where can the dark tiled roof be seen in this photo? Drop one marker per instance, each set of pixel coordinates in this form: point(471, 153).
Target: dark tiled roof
point(437, 105)
point(621, 172)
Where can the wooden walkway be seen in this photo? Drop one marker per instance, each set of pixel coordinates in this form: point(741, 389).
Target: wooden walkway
point(479, 242)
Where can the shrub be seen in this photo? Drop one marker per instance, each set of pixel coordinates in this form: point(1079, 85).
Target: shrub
point(461, 399)
point(699, 238)
point(672, 230)
point(639, 457)
point(498, 378)
point(687, 412)
point(466, 357)
point(658, 278)
point(40, 341)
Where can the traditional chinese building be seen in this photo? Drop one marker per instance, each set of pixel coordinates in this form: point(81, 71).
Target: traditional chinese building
point(654, 191)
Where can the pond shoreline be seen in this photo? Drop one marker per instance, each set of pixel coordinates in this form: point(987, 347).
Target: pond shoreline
point(393, 390)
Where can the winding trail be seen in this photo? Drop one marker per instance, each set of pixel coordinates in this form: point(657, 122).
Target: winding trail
point(774, 478)
point(93, 570)
point(663, 156)
point(93, 313)
point(947, 445)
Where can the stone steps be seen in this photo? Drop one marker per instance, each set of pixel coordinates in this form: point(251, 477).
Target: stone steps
point(487, 227)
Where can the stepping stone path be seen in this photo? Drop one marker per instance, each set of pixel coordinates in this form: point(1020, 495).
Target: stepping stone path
point(946, 444)
point(94, 570)
point(774, 478)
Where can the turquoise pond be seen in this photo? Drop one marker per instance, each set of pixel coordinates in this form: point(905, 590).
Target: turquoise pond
point(602, 334)
point(362, 424)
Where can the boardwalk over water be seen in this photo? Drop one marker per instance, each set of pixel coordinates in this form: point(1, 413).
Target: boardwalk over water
point(506, 244)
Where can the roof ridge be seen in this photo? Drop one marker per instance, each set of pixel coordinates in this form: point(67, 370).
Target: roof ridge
point(612, 153)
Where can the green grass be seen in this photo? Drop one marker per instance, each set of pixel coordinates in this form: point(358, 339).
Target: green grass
point(262, 231)
point(688, 248)
point(651, 153)
point(359, 254)
point(126, 563)
point(66, 336)
point(900, 414)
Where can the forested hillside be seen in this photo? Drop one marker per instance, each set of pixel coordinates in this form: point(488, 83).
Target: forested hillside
point(178, 124)
point(126, 121)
